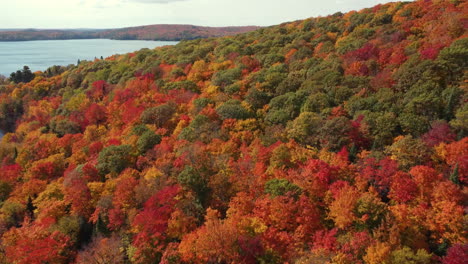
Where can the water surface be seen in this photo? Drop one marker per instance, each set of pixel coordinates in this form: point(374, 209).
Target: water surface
point(41, 54)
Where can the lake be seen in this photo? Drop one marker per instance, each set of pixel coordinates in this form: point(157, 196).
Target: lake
point(41, 54)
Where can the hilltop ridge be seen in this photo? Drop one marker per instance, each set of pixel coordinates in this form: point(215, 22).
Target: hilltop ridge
point(162, 32)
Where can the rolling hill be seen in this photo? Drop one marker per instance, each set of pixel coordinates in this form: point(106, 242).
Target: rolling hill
point(340, 139)
point(150, 32)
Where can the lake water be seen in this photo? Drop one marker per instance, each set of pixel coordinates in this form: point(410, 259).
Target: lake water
point(41, 54)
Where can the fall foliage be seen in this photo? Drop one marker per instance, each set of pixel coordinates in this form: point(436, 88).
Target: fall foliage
point(340, 139)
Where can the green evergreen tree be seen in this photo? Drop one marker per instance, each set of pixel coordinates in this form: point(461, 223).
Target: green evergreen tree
point(454, 176)
point(27, 74)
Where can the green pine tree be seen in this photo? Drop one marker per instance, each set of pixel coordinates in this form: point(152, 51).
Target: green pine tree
point(454, 176)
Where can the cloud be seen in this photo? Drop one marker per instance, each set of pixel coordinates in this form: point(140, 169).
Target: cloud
point(155, 1)
point(98, 4)
point(118, 3)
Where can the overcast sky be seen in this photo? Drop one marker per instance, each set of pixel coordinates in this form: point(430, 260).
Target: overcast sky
point(124, 13)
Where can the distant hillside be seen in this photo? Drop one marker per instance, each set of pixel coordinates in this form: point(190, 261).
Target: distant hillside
point(38, 34)
point(173, 32)
point(151, 32)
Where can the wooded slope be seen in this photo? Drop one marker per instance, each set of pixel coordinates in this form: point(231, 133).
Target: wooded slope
point(150, 32)
point(340, 139)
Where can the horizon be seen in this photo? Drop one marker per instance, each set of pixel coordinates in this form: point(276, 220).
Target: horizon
point(112, 14)
point(146, 25)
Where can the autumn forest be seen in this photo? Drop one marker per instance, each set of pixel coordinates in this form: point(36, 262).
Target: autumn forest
point(151, 32)
point(339, 139)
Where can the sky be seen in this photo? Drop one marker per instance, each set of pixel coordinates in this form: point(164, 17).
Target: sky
point(125, 13)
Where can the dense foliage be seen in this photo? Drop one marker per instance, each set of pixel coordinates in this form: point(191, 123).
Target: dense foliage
point(150, 32)
point(340, 139)
point(25, 75)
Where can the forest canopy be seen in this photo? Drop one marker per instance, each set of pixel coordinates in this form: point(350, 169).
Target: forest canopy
point(340, 139)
